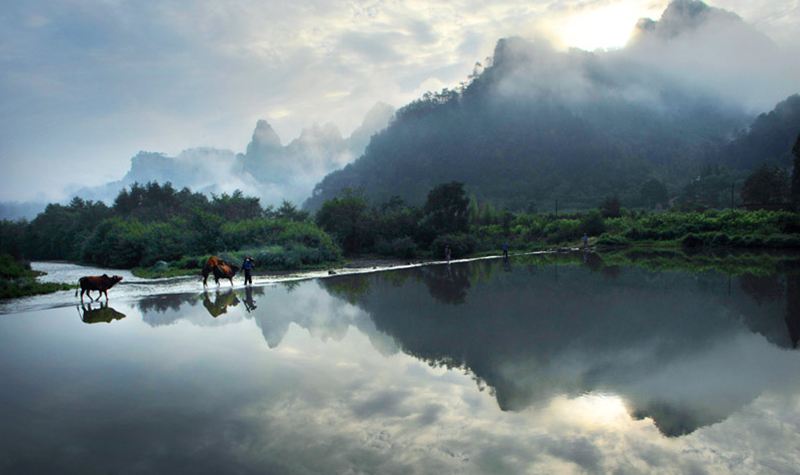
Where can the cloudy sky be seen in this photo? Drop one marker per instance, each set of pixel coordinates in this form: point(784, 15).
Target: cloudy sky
point(85, 84)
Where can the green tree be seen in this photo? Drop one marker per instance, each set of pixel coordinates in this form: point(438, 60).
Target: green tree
point(795, 191)
point(346, 219)
point(654, 193)
point(289, 211)
point(446, 209)
point(611, 207)
point(236, 206)
point(766, 187)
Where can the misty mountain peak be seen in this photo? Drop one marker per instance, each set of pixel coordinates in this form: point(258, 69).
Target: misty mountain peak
point(264, 135)
point(327, 132)
point(378, 116)
point(682, 16)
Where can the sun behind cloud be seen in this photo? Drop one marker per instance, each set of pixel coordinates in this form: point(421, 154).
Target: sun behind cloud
point(606, 27)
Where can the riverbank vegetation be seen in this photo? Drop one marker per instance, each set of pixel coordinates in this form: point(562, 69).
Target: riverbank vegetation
point(158, 227)
point(18, 280)
point(160, 231)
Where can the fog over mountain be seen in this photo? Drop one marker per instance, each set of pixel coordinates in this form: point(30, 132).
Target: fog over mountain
point(538, 124)
point(268, 169)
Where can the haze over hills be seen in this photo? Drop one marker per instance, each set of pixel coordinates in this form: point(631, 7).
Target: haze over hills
point(268, 169)
point(539, 125)
point(533, 126)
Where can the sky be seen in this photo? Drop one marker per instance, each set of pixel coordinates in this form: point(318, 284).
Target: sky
point(86, 84)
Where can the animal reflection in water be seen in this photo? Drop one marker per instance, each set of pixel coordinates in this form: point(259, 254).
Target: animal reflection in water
point(103, 313)
point(223, 300)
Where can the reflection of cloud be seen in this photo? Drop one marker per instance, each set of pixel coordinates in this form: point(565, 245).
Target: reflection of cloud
point(216, 399)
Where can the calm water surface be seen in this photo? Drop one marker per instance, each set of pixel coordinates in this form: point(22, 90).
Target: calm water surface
point(486, 367)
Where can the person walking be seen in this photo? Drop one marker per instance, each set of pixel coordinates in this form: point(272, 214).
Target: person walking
point(248, 266)
point(505, 250)
point(447, 253)
point(585, 240)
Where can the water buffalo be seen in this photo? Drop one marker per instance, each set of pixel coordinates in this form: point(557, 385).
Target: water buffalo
point(100, 283)
point(220, 269)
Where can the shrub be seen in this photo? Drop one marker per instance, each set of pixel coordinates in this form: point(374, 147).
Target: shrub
point(563, 230)
point(404, 247)
point(592, 224)
point(612, 240)
point(461, 245)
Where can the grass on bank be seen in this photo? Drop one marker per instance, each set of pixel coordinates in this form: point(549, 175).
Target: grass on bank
point(18, 280)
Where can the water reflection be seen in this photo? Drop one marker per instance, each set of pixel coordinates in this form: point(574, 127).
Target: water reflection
point(588, 358)
point(102, 314)
point(533, 335)
point(222, 300)
point(532, 330)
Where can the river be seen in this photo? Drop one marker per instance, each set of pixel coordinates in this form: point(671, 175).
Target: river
point(535, 365)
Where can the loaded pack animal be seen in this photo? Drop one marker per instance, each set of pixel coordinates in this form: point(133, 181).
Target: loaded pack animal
point(100, 283)
point(220, 269)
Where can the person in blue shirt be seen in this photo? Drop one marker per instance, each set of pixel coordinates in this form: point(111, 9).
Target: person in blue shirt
point(505, 250)
point(248, 265)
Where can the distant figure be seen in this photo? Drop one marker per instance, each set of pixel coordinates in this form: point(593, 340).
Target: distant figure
point(447, 253)
point(585, 240)
point(248, 266)
point(100, 283)
point(505, 250)
point(220, 269)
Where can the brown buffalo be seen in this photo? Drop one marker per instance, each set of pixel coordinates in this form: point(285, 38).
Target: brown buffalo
point(220, 269)
point(100, 283)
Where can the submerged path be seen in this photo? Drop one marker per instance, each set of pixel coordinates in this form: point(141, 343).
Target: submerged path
point(134, 288)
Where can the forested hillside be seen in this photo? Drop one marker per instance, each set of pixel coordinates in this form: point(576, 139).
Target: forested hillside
point(539, 125)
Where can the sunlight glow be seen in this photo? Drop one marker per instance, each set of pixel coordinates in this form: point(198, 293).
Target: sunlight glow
point(593, 410)
point(603, 28)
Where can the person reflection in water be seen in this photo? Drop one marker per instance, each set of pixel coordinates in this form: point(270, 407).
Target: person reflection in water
point(249, 303)
point(248, 266)
point(103, 313)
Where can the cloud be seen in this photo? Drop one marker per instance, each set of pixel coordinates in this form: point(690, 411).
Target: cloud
point(85, 84)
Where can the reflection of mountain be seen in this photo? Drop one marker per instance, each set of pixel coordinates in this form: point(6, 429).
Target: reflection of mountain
point(102, 314)
point(544, 330)
point(684, 349)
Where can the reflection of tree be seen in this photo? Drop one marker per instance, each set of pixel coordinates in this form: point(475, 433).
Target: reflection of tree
point(290, 285)
point(793, 307)
point(222, 300)
point(771, 293)
point(162, 303)
point(762, 288)
point(103, 313)
point(348, 287)
point(447, 284)
point(520, 328)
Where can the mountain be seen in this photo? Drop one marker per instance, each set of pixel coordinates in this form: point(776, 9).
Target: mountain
point(769, 139)
point(267, 168)
point(539, 125)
